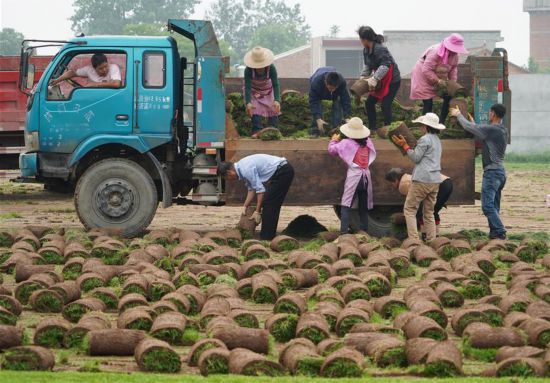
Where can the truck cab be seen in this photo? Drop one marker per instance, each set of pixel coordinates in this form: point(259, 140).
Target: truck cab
point(167, 112)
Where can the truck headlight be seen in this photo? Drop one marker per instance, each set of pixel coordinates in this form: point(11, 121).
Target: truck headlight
point(32, 142)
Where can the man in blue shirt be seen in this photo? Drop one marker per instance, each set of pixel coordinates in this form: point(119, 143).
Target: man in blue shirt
point(327, 84)
point(257, 170)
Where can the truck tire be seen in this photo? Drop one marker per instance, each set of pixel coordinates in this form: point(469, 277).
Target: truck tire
point(116, 193)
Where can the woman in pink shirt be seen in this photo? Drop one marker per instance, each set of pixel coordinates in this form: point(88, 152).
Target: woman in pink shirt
point(438, 63)
point(357, 151)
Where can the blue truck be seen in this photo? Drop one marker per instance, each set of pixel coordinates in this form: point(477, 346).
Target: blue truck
point(159, 137)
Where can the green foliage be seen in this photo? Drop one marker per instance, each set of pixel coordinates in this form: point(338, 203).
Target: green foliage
point(91, 283)
point(313, 334)
point(215, 365)
point(190, 336)
point(518, 368)
point(392, 357)
point(51, 337)
point(90, 366)
point(314, 244)
point(10, 42)
point(170, 335)
point(441, 369)
point(342, 368)
point(98, 17)
point(481, 354)
point(435, 334)
point(269, 23)
point(346, 324)
point(49, 302)
point(284, 329)
point(309, 366)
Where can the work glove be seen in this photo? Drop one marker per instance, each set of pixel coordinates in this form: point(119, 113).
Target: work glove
point(321, 125)
point(335, 137)
point(256, 217)
point(372, 83)
point(277, 107)
point(400, 141)
point(249, 109)
point(454, 112)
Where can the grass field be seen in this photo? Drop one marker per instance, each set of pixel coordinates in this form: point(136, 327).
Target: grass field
point(69, 377)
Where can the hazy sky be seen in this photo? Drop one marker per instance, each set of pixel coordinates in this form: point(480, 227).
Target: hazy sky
point(48, 19)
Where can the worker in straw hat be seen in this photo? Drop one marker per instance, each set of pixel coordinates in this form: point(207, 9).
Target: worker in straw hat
point(436, 65)
point(355, 148)
point(426, 175)
point(261, 88)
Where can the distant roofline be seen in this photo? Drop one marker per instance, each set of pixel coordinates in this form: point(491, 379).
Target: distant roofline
point(292, 51)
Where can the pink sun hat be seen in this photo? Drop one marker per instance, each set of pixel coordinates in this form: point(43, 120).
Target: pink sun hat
point(455, 43)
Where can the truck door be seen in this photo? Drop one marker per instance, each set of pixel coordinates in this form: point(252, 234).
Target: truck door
point(154, 92)
point(74, 111)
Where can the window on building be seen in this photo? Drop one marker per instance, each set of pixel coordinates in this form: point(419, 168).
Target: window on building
point(347, 62)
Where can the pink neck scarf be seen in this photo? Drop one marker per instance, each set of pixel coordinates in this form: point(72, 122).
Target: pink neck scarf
point(443, 53)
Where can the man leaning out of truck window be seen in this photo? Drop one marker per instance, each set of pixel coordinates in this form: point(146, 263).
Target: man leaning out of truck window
point(101, 74)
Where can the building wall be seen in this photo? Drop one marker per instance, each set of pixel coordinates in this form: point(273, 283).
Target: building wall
point(407, 46)
point(540, 38)
point(297, 65)
point(530, 113)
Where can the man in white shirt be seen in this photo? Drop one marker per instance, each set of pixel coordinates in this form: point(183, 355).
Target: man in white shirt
point(100, 74)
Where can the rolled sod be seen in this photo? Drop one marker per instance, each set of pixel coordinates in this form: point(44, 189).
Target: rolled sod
point(46, 300)
point(449, 295)
point(495, 315)
point(10, 336)
point(25, 271)
point(246, 362)
point(137, 318)
point(300, 357)
point(424, 255)
point(94, 320)
point(68, 290)
point(463, 317)
point(355, 290)
point(506, 352)
point(75, 310)
point(429, 309)
point(107, 296)
point(291, 303)
point(130, 301)
point(162, 307)
point(73, 268)
point(28, 358)
point(190, 303)
point(343, 363)
point(389, 307)
point(521, 367)
point(253, 267)
point(185, 278)
point(417, 349)
point(343, 267)
point(348, 317)
point(264, 289)
point(169, 327)
point(538, 332)
point(496, 337)
point(329, 253)
point(24, 290)
point(388, 352)
point(10, 304)
point(325, 271)
point(136, 284)
point(305, 259)
point(282, 326)
point(328, 346)
point(330, 311)
point(244, 288)
point(472, 289)
point(214, 361)
point(444, 360)
point(244, 318)
point(352, 253)
point(154, 355)
point(399, 128)
point(51, 332)
point(75, 250)
point(283, 243)
point(423, 327)
point(257, 251)
point(515, 302)
point(312, 326)
point(240, 337)
point(200, 347)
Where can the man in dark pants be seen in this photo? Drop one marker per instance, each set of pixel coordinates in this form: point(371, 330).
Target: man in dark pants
point(257, 170)
point(327, 84)
point(494, 138)
point(401, 181)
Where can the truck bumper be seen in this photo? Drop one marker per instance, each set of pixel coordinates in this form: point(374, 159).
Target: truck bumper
point(28, 164)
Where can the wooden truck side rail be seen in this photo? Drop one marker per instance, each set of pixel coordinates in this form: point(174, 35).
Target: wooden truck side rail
point(319, 177)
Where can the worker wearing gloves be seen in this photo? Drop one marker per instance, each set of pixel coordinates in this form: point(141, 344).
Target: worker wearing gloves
point(402, 181)
point(256, 170)
point(494, 138)
point(355, 148)
point(437, 64)
point(382, 75)
point(327, 84)
point(426, 175)
point(261, 88)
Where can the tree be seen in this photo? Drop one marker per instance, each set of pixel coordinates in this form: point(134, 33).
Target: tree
point(10, 42)
point(245, 23)
point(334, 30)
point(109, 17)
point(532, 65)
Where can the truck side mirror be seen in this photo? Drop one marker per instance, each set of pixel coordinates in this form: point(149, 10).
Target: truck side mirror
point(30, 76)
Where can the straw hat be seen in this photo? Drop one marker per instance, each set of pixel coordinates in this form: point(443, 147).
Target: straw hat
point(258, 57)
point(455, 43)
point(355, 129)
point(431, 120)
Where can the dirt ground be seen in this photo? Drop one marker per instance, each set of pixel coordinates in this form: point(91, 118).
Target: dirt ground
point(523, 207)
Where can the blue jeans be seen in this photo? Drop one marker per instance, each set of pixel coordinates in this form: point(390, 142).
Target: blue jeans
point(257, 122)
point(491, 190)
point(361, 193)
point(336, 116)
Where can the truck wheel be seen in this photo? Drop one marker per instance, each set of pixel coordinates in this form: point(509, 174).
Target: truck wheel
point(380, 224)
point(116, 193)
